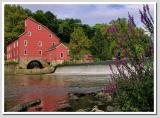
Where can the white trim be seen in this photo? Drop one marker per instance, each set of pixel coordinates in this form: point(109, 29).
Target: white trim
point(26, 52)
point(39, 27)
point(50, 36)
point(63, 45)
point(25, 42)
point(40, 44)
point(53, 43)
point(40, 52)
point(29, 33)
point(61, 56)
point(17, 43)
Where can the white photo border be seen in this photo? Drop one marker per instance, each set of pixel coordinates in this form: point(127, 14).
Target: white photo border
point(85, 113)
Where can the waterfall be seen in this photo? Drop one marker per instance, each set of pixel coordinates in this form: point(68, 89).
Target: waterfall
point(85, 69)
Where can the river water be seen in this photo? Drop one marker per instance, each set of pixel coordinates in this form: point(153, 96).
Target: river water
point(52, 90)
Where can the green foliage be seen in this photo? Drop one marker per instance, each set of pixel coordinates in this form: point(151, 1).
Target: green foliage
point(66, 63)
point(79, 44)
point(14, 22)
point(11, 62)
point(136, 95)
point(99, 46)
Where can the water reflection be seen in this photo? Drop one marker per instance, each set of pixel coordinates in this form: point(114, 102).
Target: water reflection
point(52, 90)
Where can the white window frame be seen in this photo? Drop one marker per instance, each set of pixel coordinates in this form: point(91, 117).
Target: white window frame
point(40, 43)
point(50, 36)
point(14, 45)
point(17, 43)
point(29, 33)
point(39, 52)
point(26, 51)
point(61, 56)
point(53, 43)
point(39, 27)
point(25, 24)
point(25, 42)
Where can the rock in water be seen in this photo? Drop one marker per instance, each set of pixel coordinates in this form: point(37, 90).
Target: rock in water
point(73, 97)
point(95, 109)
point(25, 106)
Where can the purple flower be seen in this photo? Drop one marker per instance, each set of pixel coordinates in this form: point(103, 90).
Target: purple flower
point(112, 29)
point(144, 8)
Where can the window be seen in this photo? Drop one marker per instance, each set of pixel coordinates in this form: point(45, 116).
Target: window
point(40, 52)
point(25, 24)
point(25, 52)
point(50, 36)
point(53, 44)
point(14, 45)
point(17, 43)
point(25, 42)
point(61, 55)
point(39, 27)
point(29, 33)
point(40, 43)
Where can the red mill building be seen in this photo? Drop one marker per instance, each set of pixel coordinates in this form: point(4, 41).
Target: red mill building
point(37, 44)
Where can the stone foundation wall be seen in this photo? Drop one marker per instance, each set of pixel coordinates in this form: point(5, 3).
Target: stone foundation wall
point(14, 69)
point(25, 61)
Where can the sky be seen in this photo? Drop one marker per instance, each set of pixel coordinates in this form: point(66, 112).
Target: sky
point(92, 14)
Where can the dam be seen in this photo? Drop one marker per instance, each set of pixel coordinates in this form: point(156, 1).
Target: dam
point(100, 68)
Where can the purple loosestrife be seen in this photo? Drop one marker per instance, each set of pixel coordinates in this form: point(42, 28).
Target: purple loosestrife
point(131, 24)
point(112, 29)
point(146, 19)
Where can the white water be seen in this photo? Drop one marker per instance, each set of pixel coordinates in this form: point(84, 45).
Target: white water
point(85, 70)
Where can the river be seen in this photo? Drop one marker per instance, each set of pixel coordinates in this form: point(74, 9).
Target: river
point(52, 90)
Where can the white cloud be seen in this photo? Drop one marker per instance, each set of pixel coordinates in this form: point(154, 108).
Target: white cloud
point(92, 14)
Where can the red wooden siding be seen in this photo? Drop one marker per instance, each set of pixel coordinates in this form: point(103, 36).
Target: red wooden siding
point(34, 43)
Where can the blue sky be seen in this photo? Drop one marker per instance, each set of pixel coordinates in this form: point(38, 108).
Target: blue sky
point(91, 14)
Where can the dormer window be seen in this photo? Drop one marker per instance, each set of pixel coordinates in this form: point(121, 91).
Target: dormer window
point(50, 36)
point(39, 27)
point(29, 33)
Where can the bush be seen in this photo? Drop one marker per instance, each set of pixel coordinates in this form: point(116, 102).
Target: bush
point(66, 63)
point(11, 62)
point(134, 95)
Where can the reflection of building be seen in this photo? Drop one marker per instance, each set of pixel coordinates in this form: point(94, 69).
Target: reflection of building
point(37, 42)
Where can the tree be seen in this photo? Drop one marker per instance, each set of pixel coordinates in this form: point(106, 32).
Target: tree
point(79, 44)
point(66, 27)
point(99, 47)
point(14, 22)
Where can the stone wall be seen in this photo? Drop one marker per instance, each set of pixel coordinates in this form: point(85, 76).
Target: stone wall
point(23, 62)
point(14, 69)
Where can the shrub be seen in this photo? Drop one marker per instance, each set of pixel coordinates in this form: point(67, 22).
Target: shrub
point(11, 62)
